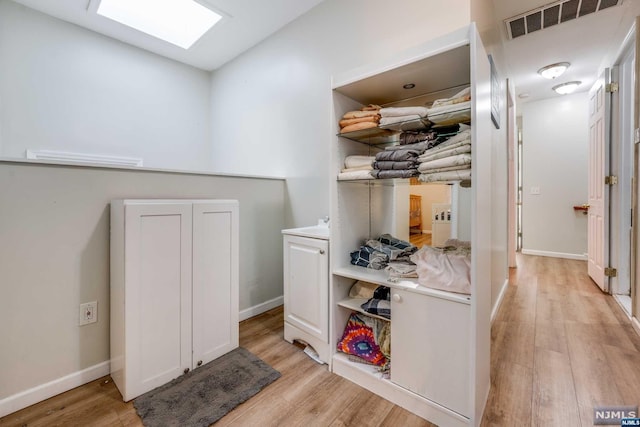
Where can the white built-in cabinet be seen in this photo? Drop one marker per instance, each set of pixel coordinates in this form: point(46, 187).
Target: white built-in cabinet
point(440, 341)
point(174, 288)
point(306, 289)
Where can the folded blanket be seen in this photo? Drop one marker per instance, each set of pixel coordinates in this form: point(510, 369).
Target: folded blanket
point(369, 258)
point(347, 122)
point(445, 269)
point(398, 119)
point(359, 113)
point(403, 111)
point(447, 114)
point(409, 137)
point(449, 152)
point(398, 155)
point(391, 251)
point(359, 168)
point(378, 307)
point(391, 174)
point(355, 174)
point(457, 160)
point(388, 239)
point(462, 96)
point(418, 146)
point(390, 165)
point(357, 161)
point(456, 175)
point(444, 169)
point(405, 123)
point(358, 126)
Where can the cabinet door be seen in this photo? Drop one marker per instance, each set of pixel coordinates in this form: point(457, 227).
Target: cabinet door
point(306, 285)
point(215, 280)
point(430, 348)
point(157, 294)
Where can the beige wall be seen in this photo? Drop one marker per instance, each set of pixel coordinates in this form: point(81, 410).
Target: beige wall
point(431, 193)
point(54, 230)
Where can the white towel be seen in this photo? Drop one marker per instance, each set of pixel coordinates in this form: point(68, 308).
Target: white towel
point(357, 174)
point(458, 160)
point(456, 175)
point(404, 111)
point(427, 157)
point(351, 162)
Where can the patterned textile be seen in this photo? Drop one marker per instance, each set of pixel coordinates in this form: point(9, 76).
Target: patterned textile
point(391, 174)
point(359, 340)
point(369, 257)
point(388, 239)
point(398, 155)
point(409, 137)
point(383, 293)
point(387, 165)
point(453, 175)
point(381, 307)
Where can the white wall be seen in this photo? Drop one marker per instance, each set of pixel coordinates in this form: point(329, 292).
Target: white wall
point(65, 88)
point(54, 229)
point(555, 159)
point(275, 100)
point(432, 193)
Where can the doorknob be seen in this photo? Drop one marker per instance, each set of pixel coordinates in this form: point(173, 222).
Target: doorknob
point(397, 298)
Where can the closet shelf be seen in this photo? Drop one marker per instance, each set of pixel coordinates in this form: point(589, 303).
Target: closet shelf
point(373, 136)
point(354, 304)
point(375, 182)
point(381, 277)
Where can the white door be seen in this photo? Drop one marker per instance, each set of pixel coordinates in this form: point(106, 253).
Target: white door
point(306, 288)
point(157, 295)
point(598, 219)
point(431, 345)
point(215, 280)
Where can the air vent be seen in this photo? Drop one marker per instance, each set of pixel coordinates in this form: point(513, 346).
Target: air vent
point(554, 14)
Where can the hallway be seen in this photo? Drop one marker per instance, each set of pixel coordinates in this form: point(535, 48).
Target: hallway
point(560, 347)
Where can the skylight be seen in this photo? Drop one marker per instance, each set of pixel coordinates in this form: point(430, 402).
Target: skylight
point(180, 22)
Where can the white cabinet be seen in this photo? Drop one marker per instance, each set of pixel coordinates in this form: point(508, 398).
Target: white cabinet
point(440, 341)
point(174, 288)
point(306, 291)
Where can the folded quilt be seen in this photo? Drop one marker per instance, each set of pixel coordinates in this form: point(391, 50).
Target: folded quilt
point(389, 165)
point(398, 155)
point(457, 160)
point(391, 174)
point(404, 111)
point(455, 175)
point(369, 258)
point(359, 113)
point(356, 174)
point(347, 122)
point(358, 126)
point(449, 152)
point(356, 161)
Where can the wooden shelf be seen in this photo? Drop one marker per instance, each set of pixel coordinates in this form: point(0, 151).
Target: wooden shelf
point(355, 305)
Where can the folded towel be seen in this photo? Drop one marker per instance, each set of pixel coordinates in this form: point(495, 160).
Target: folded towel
point(398, 119)
point(357, 161)
point(358, 126)
point(391, 165)
point(462, 96)
point(444, 169)
point(449, 152)
point(353, 175)
point(390, 174)
point(347, 122)
point(456, 175)
point(358, 113)
point(371, 107)
point(398, 155)
point(458, 160)
point(434, 111)
point(359, 168)
point(412, 137)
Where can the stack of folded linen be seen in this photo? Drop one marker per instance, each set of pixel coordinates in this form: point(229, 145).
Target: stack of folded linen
point(365, 118)
point(413, 137)
point(404, 118)
point(399, 162)
point(456, 109)
point(357, 167)
point(449, 161)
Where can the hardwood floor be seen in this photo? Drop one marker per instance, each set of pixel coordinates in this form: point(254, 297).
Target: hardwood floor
point(420, 240)
point(559, 348)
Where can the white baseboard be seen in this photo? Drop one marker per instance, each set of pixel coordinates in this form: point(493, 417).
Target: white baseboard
point(21, 400)
point(426, 231)
point(581, 257)
point(496, 306)
point(636, 324)
point(260, 308)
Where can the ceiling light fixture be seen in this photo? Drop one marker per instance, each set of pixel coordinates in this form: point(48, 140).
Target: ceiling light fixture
point(409, 86)
point(179, 22)
point(554, 70)
point(566, 88)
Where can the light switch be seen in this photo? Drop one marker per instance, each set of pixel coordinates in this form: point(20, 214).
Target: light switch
point(535, 191)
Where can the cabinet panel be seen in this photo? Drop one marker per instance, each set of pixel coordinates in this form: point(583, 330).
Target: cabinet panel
point(306, 285)
point(215, 290)
point(158, 343)
point(430, 342)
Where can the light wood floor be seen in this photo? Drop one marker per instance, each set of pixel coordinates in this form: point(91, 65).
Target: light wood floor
point(559, 348)
point(420, 240)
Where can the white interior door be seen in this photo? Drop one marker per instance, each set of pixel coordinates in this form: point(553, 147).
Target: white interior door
point(599, 140)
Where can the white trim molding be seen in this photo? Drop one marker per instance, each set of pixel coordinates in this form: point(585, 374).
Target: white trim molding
point(261, 308)
point(21, 400)
point(496, 306)
point(636, 324)
point(92, 159)
point(581, 257)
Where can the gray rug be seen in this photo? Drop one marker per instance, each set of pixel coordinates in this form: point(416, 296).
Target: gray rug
point(206, 394)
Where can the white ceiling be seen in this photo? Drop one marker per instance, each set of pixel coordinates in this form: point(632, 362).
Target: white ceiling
point(587, 42)
point(250, 21)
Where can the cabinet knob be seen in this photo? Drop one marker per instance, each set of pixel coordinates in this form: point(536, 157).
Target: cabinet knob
point(199, 362)
point(397, 298)
point(186, 370)
point(321, 251)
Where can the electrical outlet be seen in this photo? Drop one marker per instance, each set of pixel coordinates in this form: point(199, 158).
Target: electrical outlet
point(88, 313)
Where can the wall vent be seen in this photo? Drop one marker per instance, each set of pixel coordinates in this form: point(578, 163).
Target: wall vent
point(553, 14)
